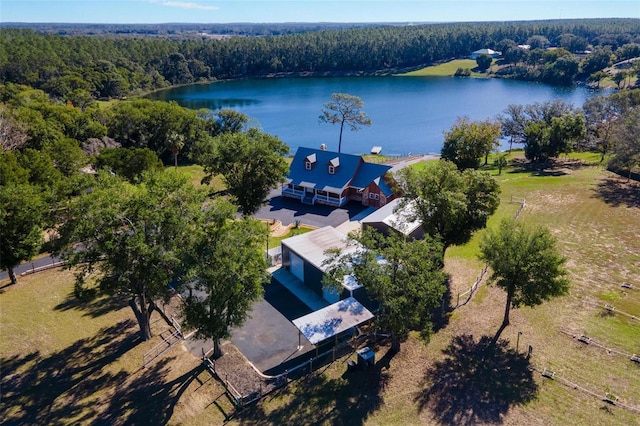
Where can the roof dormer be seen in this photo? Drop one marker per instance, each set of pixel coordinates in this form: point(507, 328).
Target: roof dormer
point(333, 165)
point(310, 161)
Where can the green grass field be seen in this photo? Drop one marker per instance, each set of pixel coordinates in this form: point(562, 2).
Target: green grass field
point(446, 69)
point(65, 362)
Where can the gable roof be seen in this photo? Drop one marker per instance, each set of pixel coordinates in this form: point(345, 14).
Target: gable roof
point(349, 170)
point(368, 173)
point(312, 246)
point(489, 52)
point(395, 216)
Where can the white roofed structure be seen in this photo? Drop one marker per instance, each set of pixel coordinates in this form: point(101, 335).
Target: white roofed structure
point(329, 322)
point(311, 246)
point(394, 216)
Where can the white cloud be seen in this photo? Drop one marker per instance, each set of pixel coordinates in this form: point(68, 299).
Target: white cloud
point(185, 5)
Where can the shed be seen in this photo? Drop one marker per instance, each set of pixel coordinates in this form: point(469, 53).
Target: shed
point(396, 217)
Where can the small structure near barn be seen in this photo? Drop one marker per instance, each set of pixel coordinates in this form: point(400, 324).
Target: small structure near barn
point(332, 321)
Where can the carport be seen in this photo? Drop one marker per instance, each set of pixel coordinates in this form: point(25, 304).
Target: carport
point(331, 321)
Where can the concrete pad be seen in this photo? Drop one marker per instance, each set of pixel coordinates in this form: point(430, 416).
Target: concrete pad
point(268, 338)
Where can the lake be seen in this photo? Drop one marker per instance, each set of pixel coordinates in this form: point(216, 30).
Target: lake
point(408, 114)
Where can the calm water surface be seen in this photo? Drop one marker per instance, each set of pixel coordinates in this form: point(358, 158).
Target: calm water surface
point(408, 114)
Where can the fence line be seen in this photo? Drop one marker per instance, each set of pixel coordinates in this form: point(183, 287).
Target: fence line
point(33, 269)
point(607, 396)
point(473, 288)
point(161, 348)
point(521, 201)
point(589, 341)
point(611, 308)
point(281, 380)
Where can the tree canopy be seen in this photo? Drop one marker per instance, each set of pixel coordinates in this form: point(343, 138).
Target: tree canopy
point(227, 271)
point(468, 141)
point(525, 264)
point(251, 164)
point(131, 239)
point(450, 204)
point(77, 67)
point(484, 61)
point(627, 142)
point(22, 218)
point(404, 276)
point(545, 129)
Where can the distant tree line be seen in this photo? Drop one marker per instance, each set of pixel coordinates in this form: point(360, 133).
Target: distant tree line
point(184, 30)
point(75, 68)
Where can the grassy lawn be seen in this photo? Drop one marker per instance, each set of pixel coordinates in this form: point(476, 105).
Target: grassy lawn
point(195, 173)
point(275, 240)
point(70, 363)
point(447, 69)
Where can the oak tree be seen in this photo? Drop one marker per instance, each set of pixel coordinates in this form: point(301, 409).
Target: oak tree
point(525, 263)
point(468, 141)
point(131, 239)
point(228, 268)
point(251, 164)
point(22, 215)
point(403, 275)
point(450, 204)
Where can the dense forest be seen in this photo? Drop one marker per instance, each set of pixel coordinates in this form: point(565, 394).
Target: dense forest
point(74, 67)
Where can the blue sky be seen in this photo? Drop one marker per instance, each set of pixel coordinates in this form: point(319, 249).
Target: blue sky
point(225, 11)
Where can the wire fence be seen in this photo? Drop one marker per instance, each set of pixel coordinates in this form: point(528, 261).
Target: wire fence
point(607, 397)
point(271, 383)
point(590, 341)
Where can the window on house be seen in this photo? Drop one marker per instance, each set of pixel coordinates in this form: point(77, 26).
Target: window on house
point(376, 196)
point(371, 195)
point(333, 165)
point(309, 161)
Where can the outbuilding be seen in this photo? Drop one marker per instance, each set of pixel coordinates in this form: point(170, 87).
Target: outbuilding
point(490, 52)
point(395, 217)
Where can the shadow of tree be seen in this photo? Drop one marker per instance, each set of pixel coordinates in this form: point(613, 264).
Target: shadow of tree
point(475, 383)
point(556, 167)
point(93, 307)
point(317, 399)
point(57, 388)
point(149, 398)
point(618, 192)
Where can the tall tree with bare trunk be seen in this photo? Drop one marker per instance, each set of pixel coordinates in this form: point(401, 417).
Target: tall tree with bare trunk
point(345, 109)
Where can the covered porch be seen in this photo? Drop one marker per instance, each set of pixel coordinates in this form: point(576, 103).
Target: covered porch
point(307, 193)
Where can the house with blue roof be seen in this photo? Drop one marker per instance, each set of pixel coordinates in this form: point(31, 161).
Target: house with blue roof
point(318, 176)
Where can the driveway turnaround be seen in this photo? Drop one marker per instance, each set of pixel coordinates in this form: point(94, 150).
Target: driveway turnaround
point(268, 338)
point(288, 210)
